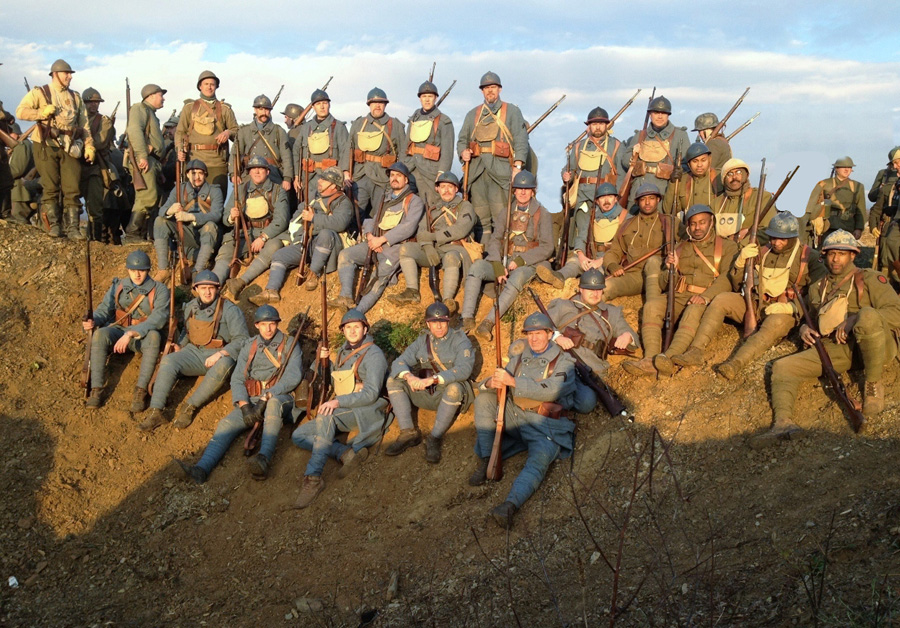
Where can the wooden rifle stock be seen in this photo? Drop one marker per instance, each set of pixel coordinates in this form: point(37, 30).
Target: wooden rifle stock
point(643, 258)
point(721, 125)
point(183, 264)
point(750, 319)
point(137, 177)
point(88, 316)
point(307, 231)
point(318, 384)
point(365, 275)
point(625, 192)
point(771, 203)
point(562, 247)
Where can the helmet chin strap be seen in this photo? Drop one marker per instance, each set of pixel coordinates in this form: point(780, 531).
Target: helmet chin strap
point(712, 226)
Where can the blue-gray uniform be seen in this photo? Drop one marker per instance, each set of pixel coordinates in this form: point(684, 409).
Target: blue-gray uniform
point(497, 136)
point(142, 309)
point(604, 229)
point(216, 327)
point(256, 365)
point(541, 378)
point(205, 205)
point(332, 217)
point(451, 359)
point(659, 147)
point(270, 142)
point(439, 242)
point(266, 212)
point(429, 150)
point(601, 325)
point(372, 152)
point(361, 406)
point(400, 216)
point(586, 158)
point(530, 242)
point(322, 144)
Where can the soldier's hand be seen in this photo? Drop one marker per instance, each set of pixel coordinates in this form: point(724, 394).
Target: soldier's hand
point(174, 209)
point(184, 217)
point(175, 348)
point(223, 137)
point(88, 325)
point(566, 176)
point(324, 353)
point(48, 110)
point(808, 335)
point(623, 340)
point(182, 156)
point(748, 252)
point(857, 233)
point(376, 244)
point(467, 155)
point(844, 329)
point(637, 150)
point(618, 272)
point(211, 360)
point(143, 166)
point(121, 345)
point(90, 153)
point(328, 408)
point(308, 214)
point(697, 300)
point(502, 377)
point(297, 186)
point(257, 245)
point(249, 415)
point(671, 259)
point(286, 185)
point(234, 214)
point(818, 225)
point(564, 343)
point(875, 232)
point(417, 383)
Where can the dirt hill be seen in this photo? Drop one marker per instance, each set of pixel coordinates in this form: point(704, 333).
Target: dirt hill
point(669, 520)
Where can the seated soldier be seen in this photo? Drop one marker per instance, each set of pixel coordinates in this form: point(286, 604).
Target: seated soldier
point(538, 376)
point(702, 263)
point(857, 315)
point(592, 329)
point(395, 222)
point(439, 244)
point(736, 206)
point(781, 264)
point(263, 215)
point(214, 334)
point(883, 221)
point(835, 203)
point(595, 229)
point(262, 385)
point(200, 215)
point(432, 373)
point(129, 318)
point(530, 241)
point(357, 373)
point(328, 216)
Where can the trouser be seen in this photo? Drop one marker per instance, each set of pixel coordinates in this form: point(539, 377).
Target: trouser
point(890, 250)
point(93, 192)
point(634, 280)
point(367, 194)
point(259, 265)
point(146, 202)
point(871, 339)
point(325, 246)
point(687, 317)
point(489, 200)
point(165, 232)
point(59, 173)
point(448, 401)
point(424, 182)
point(102, 343)
point(412, 256)
point(386, 266)
point(189, 362)
point(482, 271)
point(232, 425)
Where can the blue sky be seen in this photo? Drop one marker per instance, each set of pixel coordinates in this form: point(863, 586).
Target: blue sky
point(825, 76)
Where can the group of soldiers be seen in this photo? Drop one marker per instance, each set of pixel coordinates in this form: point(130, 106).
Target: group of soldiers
point(678, 223)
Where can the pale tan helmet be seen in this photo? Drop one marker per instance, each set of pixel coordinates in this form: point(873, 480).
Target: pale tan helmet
point(733, 163)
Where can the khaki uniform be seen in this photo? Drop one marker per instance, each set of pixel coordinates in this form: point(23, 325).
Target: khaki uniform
point(93, 180)
point(637, 237)
point(884, 217)
point(841, 203)
point(694, 191)
point(200, 122)
point(145, 140)
point(720, 151)
point(735, 211)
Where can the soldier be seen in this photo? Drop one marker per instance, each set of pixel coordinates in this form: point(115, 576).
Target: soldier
point(885, 177)
point(323, 142)
point(719, 148)
point(592, 329)
point(145, 141)
point(261, 389)
point(204, 128)
point(264, 210)
point(95, 181)
point(702, 263)
point(530, 242)
point(591, 162)
point(492, 142)
point(358, 375)
point(538, 377)
point(433, 373)
point(430, 148)
point(700, 187)
point(129, 318)
point(292, 121)
point(376, 140)
point(778, 266)
point(397, 221)
point(858, 315)
point(884, 225)
point(264, 139)
point(595, 229)
point(7, 181)
point(61, 132)
point(200, 217)
point(26, 190)
point(214, 334)
point(328, 216)
point(836, 203)
point(656, 153)
point(736, 207)
point(439, 243)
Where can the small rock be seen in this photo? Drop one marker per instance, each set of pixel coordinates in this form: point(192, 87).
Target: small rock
point(595, 557)
point(393, 586)
point(308, 605)
point(25, 522)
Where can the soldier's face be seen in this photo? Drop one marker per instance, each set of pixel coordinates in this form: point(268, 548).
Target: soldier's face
point(659, 119)
point(523, 195)
point(156, 100)
point(197, 177)
point(427, 101)
point(607, 202)
point(735, 178)
point(837, 261)
point(538, 340)
point(324, 186)
point(447, 191)
point(262, 114)
point(64, 78)
point(208, 87)
point(843, 173)
point(491, 93)
point(258, 175)
point(323, 107)
point(138, 277)
point(398, 181)
point(289, 122)
point(779, 245)
point(699, 226)
point(207, 292)
point(598, 129)
point(267, 329)
point(648, 204)
point(705, 133)
point(438, 329)
point(896, 164)
point(376, 109)
point(591, 297)
point(354, 332)
point(699, 165)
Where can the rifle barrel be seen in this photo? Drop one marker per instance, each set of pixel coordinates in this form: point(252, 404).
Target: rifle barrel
point(545, 114)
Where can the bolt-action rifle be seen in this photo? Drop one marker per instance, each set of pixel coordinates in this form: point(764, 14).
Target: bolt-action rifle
point(184, 264)
point(367, 272)
point(742, 127)
point(750, 320)
point(625, 192)
point(669, 224)
point(137, 177)
point(170, 338)
point(721, 125)
point(609, 125)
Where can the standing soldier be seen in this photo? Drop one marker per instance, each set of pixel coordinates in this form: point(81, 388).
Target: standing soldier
point(430, 148)
point(885, 177)
point(492, 141)
point(95, 183)
point(62, 130)
point(376, 140)
point(439, 243)
point(266, 140)
point(145, 141)
point(214, 334)
point(433, 373)
point(736, 207)
point(858, 316)
point(293, 122)
point(720, 149)
point(26, 188)
point(204, 128)
point(835, 203)
point(700, 187)
point(199, 217)
point(884, 225)
point(129, 318)
point(7, 181)
point(358, 375)
point(591, 162)
point(322, 142)
point(538, 377)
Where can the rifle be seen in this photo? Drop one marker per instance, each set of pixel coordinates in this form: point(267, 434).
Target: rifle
point(742, 127)
point(553, 107)
point(88, 316)
point(320, 372)
point(610, 400)
point(112, 117)
point(881, 224)
point(669, 321)
point(853, 407)
point(365, 275)
point(445, 94)
point(137, 177)
point(721, 125)
point(642, 258)
point(433, 271)
point(562, 248)
point(750, 320)
point(625, 192)
point(27, 86)
point(183, 263)
point(609, 125)
point(466, 180)
point(239, 223)
point(277, 96)
point(170, 338)
point(431, 74)
point(771, 203)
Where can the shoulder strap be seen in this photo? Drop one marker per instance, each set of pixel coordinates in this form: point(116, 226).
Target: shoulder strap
point(354, 352)
point(436, 363)
point(253, 347)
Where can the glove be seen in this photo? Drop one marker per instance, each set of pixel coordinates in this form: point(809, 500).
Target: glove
point(434, 258)
point(751, 250)
point(48, 111)
point(425, 238)
point(90, 153)
point(184, 216)
point(174, 209)
point(251, 416)
point(876, 232)
point(780, 308)
point(818, 225)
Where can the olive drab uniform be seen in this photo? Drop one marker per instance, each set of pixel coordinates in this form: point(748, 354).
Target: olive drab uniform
point(592, 162)
point(6, 178)
point(375, 144)
point(694, 191)
point(639, 235)
point(862, 292)
point(429, 150)
point(270, 142)
point(657, 156)
point(735, 210)
point(884, 217)
point(321, 144)
point(26, 190)
point(842, 205)
point(200, 122)
point(145, 140)
point(720, 153)
point(95, 177)
point(200, 236)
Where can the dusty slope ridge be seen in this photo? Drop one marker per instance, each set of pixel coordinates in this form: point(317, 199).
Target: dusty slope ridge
point(99, 529)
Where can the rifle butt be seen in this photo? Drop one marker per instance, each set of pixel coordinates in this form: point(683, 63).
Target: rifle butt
point(495, 463)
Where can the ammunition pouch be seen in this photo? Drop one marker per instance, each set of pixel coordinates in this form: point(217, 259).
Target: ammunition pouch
point(575, 335)
point(497, 148)
point(310, 165)
point(640, 169)
point(260, 224)
point(428, 151)
point(549, 409)
point(254, 387)
point(664, 171)
point(386, 160)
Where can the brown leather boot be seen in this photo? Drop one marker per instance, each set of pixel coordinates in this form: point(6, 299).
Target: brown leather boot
point(642, 368)
point(873, 398)
point(312, 486)
point(405, 440)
